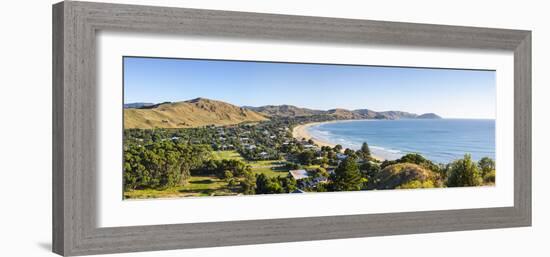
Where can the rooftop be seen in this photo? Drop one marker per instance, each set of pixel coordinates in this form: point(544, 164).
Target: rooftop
point(298, 174)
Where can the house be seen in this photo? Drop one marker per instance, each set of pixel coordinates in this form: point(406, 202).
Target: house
point(341, 156)
point(226, 147)
point(314, 181)
point(298, 174)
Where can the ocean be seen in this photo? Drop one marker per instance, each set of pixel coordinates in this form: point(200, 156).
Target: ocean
point(439, 140)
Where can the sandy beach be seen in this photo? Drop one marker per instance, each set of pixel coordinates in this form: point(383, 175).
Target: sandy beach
point(301, 131)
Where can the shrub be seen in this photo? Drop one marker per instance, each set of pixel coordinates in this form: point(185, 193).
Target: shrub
point(490, 177)
point(404, 175)
point(413, 158)
point(417, 184)
point(370, 169)
point(486, 165)
point(464, 172)
point(248, 184)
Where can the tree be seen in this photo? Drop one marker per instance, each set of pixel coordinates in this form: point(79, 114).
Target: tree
point(331, 155)
point(321, 187)
point(370, 169)
point(161, 164)
point(326, 149)
point(490, 177)
point(248, 184)
point(347, 176)
point(262, 184)
point(288, 183)
point(306, 157)
point(292, 166)
point(338, 148)
point(464, 172)
point(365, 151)
point(227, 175)
point(321, 172)
point(266, 185)
point(350, 153)
point(486, 165)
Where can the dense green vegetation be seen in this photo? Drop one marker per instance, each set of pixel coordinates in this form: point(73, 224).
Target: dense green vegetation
point(256, 159)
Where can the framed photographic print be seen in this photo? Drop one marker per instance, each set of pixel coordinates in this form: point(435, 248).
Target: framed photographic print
point(183, 128)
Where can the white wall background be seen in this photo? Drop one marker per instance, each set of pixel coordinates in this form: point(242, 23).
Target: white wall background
point(25, 130)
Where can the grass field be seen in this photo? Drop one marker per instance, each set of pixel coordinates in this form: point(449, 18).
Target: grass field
point(196, 186)
point(230, 155)
point(270, 168)
point(207, 186)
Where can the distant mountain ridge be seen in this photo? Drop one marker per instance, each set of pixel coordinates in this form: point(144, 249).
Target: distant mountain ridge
point(202, 112)
point(428, 116)
point(284, 110)
point(292, 111)
point(137, 105)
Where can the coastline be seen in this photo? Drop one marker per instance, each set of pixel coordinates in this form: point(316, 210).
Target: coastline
point(301, 131)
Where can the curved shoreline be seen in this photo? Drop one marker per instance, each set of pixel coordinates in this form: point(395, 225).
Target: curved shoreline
point(301, 131)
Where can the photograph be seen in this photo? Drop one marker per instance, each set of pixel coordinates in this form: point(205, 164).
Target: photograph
point(201, 127)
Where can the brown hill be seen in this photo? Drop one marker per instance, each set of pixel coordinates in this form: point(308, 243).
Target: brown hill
point(193, 113)
point(404, 175)
point(284, 110)
point(343, 114)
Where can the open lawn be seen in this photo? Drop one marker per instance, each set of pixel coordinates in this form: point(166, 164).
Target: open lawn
point(196, 186)
point(230, 155)
point(269, 167)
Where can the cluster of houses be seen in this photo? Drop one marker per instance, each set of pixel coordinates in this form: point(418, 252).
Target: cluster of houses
point(237, 139)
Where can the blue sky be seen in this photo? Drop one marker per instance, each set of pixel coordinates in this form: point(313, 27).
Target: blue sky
point(449, 93)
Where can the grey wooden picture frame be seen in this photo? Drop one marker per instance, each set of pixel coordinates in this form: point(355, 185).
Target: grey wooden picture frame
point(75, 25)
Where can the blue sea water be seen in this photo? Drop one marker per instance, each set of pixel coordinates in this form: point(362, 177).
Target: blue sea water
point(440, 140)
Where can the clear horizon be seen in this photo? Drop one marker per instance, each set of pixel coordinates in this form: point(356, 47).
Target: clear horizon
point(450, 93)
